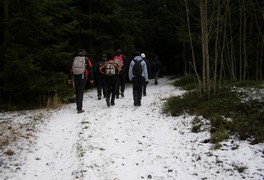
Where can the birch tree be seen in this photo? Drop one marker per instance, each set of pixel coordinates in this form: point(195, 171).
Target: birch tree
point(205, 48)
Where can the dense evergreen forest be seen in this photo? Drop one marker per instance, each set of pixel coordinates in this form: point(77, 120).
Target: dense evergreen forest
point(215, 40)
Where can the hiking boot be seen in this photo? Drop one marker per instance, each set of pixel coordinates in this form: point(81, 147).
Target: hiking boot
point(144, 94)
point(117, 97)
point(80, 111)
point(99, 97)
point(107, 102)
point(122, 94)
point(112, 103)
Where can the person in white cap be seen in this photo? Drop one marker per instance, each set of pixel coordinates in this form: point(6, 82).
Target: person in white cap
point(144, 90)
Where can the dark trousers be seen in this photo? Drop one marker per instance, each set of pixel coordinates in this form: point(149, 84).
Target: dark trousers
point(137, 89)
point(79, 84)
point(121, 82)
point(101, 86)
point(110, 82)
point(144, 88)
point(156, 76)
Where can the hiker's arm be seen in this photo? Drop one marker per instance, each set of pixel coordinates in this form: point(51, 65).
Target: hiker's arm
point(118, 68)
point(130, 73)
point(101, 69)
point(145, 72)
point(90, 69)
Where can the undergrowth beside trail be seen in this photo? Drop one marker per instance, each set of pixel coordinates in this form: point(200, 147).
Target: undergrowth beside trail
point(235, 109)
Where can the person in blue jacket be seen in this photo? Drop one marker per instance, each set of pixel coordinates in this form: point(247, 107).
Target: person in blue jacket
point(138, 79)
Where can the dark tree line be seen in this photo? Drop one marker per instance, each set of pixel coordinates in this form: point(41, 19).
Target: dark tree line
point(216, 40)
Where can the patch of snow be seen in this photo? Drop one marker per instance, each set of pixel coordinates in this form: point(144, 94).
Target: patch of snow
point(123, 142)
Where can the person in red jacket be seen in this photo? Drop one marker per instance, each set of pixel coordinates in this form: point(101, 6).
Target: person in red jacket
point(111, 71)
point(81, 70)
point(121, 60)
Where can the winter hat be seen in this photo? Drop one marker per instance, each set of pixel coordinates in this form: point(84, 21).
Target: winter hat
point(118, 51)
point(143, 55)
point(81, 52)
point(104, 57)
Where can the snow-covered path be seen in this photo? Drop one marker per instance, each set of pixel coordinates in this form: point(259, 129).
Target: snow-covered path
point(124, 142)
point(54, 156)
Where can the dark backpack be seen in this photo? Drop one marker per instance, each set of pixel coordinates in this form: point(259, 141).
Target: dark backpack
point(155, 66)
point(137, 68)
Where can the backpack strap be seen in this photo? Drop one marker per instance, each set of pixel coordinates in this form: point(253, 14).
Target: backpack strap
point(102, 67)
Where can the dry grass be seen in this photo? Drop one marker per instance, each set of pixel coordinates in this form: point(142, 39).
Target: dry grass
point(54, 102)
point(16, 128)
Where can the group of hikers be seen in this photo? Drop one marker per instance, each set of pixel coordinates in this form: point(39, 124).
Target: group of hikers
point(111, 71)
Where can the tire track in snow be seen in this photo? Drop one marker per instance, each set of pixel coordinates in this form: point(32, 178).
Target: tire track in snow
point(126, 140)
point(54, 156)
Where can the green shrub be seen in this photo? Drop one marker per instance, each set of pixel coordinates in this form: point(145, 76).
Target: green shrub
point(232, 111)
point(187, 82)
point(219, 135)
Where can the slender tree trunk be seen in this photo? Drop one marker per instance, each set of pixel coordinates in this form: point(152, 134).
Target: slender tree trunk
point(231, 48)
point(258, 51)
point(91, 28)
point(223, 49)
point(261, 64)
point(207, 59)
point(259, 19)
point(6, 22)
point(205, 48)
point(185, 73)
point(245, 41)
point(191, 44)
point(203, 44)
point(257, 63)
point(240, 46)
point(261, 60)
point(216, 45)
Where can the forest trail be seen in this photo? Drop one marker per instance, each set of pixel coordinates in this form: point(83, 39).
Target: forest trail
point(124, 142)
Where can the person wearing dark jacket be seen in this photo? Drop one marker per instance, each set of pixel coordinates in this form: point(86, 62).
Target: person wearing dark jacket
point(111, 71)
point(143, 56)
point(100, 77)
point(121, 80)
point(138, 80)
point(81, 70)
point(155, 67)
